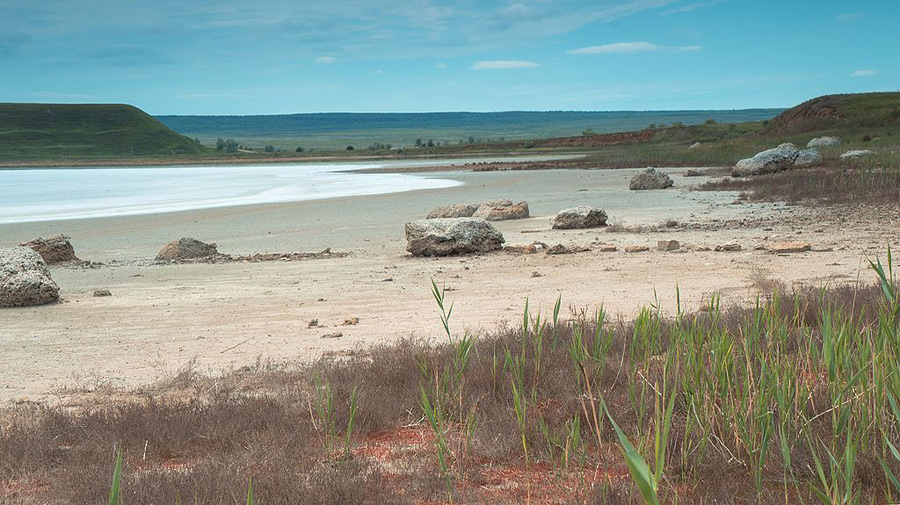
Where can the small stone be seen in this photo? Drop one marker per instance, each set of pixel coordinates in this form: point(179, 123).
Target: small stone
point(728, 247)
point(636, 248)
point(102, 292)
point(536, 274)
point(668, 245)
point(389, 279)
point(186, 249)
point(583, 216)
point(521, 249)
point(561, 249)
point(789, 247)
point(856, 154)
point(313, 323)
point(336, 334)
point(609, 248)
point(353, 321)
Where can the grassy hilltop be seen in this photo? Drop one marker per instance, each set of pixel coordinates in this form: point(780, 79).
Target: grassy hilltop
point(59, 132)
point(864, 121)
point(39, 133)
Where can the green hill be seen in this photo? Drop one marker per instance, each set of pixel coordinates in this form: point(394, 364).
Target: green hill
point(875, 113)
point(58, 131)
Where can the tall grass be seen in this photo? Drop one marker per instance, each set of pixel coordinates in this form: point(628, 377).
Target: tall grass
point(794, 399)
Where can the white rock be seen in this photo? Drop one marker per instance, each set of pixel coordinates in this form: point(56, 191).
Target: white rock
point(768, 161)
point(824, 142)
point(808, 158)
point(447, 236)
point(24, 279)
point(583, 216)
point(856, 154)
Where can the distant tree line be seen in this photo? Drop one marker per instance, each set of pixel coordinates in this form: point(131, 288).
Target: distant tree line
point(228, 145)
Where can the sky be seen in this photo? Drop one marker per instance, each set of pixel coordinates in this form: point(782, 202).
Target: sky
point(288, 56)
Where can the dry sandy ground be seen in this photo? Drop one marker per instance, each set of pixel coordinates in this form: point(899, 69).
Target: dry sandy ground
point(224, 316)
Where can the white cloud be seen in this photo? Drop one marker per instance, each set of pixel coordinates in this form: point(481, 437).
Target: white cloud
point(864, 73)
point(441, 65)
point(632, 47)
point(378, 72)
point(846, 18)
point(503, 64)
point(325, 59)
point(692, 7)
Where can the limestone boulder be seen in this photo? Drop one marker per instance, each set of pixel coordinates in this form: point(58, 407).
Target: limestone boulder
point(186, 249)
point(54, 249)
point(583, 216)
point(449, 236)
point(650, 179)
point(461, 210)
point(491, 210)
point(24, 279)
point(825, 142)
point(808, 158)
point(502, 212)
point(769, 161)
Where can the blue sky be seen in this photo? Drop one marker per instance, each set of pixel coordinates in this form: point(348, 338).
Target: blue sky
point(283, 56)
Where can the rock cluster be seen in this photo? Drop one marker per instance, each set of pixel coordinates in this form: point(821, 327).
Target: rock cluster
point(491, 210)
point(186, 249)
point(448, 236)
point(583, 216)
point(25, 279)
point(54, 249)
point(784, 157)
point(650, 179)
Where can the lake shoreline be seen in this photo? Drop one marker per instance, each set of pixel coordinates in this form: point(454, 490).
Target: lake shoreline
point(161, 316)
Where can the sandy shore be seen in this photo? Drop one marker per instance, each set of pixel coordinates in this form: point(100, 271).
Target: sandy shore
point(230, 315)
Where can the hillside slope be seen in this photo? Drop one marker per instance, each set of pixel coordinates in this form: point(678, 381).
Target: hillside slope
point(841, 114)
point(62, 131)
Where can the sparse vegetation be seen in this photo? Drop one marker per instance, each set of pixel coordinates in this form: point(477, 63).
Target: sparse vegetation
point(792, 400)
point(873, 185)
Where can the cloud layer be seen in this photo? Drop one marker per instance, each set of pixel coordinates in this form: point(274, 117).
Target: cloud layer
point(633, 47)
point(503, 64)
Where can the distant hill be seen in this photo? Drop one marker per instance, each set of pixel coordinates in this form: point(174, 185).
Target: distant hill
point(60, 131)
point(840, 114)
point(336, 130)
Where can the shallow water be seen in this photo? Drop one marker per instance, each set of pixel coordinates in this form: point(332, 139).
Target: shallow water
point(34, 195)
point(53, 194)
